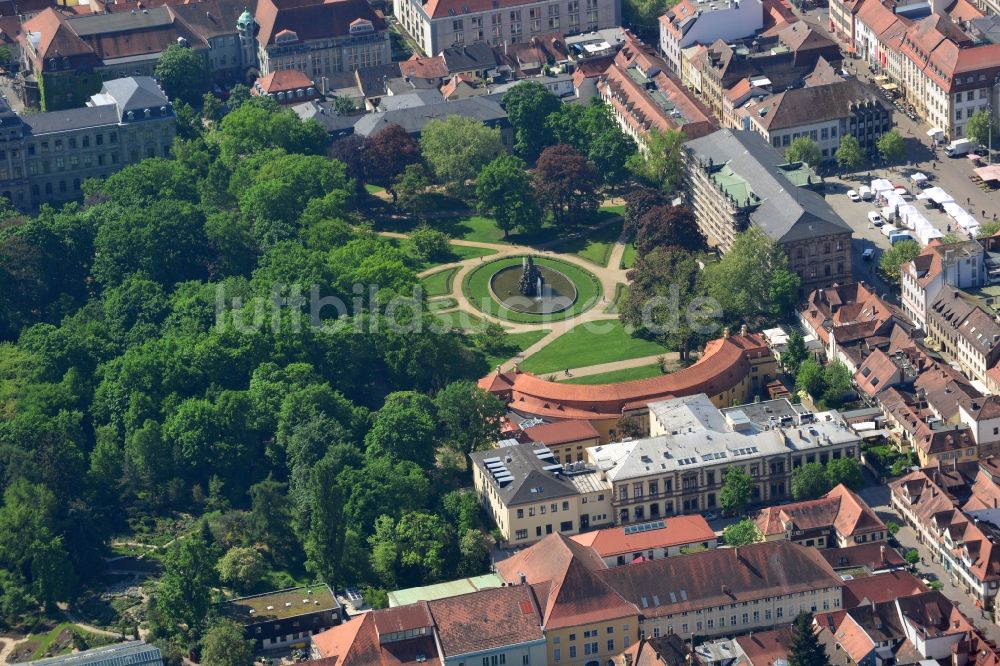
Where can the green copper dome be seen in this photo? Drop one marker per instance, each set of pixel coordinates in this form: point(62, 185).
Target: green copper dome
point(245, 19)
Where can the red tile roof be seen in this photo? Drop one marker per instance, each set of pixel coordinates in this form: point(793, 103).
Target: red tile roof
point(403, 618)
point(723, 365)
point(677, 531)
point(839, 509)
point(282, 81)
point(312, 19)
point(562, 575)
point(561, 432)
point(424, 68)
point(881, 587)
point(873, 556)
point(842, 306)
point(56, 37)
point(720, 577)
point(356, 643)
point(763, 648)
point(486, 620)
point(634, 102)
point(668, 650)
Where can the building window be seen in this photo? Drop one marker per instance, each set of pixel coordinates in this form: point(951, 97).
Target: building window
point(521, 535)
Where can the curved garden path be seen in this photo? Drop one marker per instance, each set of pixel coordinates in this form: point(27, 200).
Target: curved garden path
point(609, 276)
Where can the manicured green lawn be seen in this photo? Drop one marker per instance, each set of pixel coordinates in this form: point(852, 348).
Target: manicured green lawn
point(476, 288)
point(442, 304)
point(628, 256)
point(594, 247)
point(590, 344)
point(516, 343)
point(458, 253)
point(439, 284)
point(621, 293)
point(373, 189)
point(616, 376)
point(476, 228)
point(460, 319)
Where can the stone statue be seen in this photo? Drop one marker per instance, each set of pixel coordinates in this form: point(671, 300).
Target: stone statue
point(530, 283)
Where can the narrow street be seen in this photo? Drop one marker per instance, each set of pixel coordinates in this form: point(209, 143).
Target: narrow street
point(877, 498)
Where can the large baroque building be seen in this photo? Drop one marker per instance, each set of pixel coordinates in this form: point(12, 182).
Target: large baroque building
point(45, 157)
point(438, 24)
point(738, 180)
point(681, 467)
point(319, 38)
point(731, 370)
point(66, 56)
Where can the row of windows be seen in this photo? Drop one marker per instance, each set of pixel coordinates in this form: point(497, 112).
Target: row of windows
point(554, 508)
point(522, 534)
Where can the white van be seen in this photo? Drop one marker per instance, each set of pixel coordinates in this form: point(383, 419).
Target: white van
point(888, 229)
point(866, 193)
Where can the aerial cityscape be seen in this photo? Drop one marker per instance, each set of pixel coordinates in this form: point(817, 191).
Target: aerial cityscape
point(500, 332)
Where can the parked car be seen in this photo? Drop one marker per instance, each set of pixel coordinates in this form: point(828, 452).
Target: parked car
point(853, 196)
point(875, 219)
point(868, 254)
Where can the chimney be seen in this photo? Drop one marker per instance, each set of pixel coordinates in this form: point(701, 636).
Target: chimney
point(881, 552)
point(736, 550)
point(521, 577)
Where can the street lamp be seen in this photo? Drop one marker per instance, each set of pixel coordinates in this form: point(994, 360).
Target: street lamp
point(989, 131)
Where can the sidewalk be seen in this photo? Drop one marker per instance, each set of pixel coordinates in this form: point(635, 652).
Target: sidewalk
point(619, 365)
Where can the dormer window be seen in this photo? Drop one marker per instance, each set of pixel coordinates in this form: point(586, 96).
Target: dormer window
point(286, 37)
point(361, 26)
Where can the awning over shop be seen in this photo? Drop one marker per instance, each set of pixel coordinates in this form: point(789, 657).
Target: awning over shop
point(889, 86)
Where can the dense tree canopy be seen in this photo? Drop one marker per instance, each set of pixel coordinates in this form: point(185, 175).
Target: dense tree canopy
point(528, 104)
point(209, 337)
point(182, 72)
point(803, 149)
point(566, 183)
point(457, 148)
point(503, 190)
point(752, 281)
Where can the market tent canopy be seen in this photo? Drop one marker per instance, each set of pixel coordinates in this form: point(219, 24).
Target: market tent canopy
point(989, 173)
point(918, 177)
point(937, 195)
point(882, 185)
point(953, 209)
point(889, 86)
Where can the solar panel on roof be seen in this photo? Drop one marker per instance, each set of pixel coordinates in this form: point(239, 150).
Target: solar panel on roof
point(494, 459)
point(552, 468)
